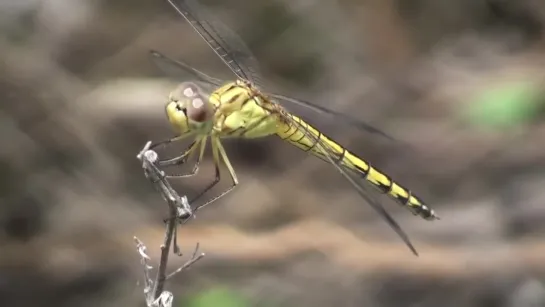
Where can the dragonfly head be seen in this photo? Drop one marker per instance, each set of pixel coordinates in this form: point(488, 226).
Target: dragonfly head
point(188, 108)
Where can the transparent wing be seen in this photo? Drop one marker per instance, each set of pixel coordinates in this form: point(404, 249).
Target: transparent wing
point(361, 187)
point(180, 70)
point(223, 41)
point(345, 118)
point(235, 54)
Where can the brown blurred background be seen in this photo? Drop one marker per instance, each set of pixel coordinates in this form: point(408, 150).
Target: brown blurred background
point(460, 82)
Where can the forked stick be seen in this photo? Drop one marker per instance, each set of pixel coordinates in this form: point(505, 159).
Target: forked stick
point(179, 212)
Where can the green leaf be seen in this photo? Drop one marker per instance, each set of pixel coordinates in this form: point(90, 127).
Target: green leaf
point(505, 106)
point(217, 297)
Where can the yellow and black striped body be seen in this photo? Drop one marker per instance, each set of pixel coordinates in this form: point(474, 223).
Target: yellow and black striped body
point(306, 137)
point(243, 111)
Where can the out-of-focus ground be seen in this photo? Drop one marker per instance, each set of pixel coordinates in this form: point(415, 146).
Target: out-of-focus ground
point(460, 82)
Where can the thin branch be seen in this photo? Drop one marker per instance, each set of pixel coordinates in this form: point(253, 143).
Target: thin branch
point(194, 258)
point(179, 212)
point(165, 249)
point(178, 206)
point(144, 258)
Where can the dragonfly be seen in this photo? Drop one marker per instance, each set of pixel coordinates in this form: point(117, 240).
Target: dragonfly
point(209, 110)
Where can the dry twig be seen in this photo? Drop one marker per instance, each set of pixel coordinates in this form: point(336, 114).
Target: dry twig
point(179, 212)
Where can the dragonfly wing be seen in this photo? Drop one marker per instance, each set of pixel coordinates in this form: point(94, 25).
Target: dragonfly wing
point(222, 40)
point(235, 54)
point(344, 118)
point(362, 189)
point(180, 70)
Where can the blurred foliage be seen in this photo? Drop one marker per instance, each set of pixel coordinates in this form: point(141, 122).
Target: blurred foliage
point(507, 106)
point(216, 297)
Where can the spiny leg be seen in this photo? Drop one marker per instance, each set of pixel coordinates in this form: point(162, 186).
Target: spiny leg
point(183, 158)
point(218, 148)
point(171, 140)
point(217, 170)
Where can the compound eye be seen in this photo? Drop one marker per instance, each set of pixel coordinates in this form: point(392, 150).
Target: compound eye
point(189, 90)
point(199, 110)
point(197, 103)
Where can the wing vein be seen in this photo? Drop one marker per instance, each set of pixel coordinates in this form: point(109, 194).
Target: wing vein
point(216, 35)
point(328, 154)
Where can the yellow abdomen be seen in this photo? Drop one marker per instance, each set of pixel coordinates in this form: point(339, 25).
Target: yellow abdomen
point(306, 138)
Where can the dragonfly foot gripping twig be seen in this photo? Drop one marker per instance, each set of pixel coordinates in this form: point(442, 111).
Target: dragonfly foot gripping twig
point(179, 212)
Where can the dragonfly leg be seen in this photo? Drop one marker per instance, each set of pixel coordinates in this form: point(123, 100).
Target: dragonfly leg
point(218, 150)
point(179, 159)
point(171, 140)
point(183, 158)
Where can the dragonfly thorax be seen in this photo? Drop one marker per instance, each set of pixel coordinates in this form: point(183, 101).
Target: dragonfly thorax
point(189, 109)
